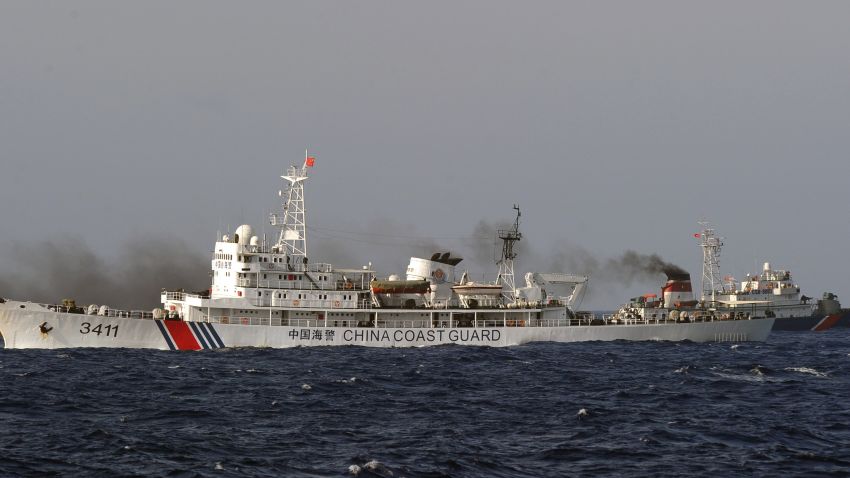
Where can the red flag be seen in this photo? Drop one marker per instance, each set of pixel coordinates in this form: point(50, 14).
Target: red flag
point(696, 235)
point(311, 161)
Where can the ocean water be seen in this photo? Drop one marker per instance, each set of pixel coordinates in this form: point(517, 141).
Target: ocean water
point(600, 409)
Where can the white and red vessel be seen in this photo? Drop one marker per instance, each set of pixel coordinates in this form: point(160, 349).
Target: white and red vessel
point(771, 293)
point(269, 294)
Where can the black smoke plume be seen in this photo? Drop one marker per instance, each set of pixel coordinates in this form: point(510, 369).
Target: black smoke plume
point(386, 243)
point(484, 245)
point(48, 272)
point(625, 269)
point(51, 271)
point(632, 266)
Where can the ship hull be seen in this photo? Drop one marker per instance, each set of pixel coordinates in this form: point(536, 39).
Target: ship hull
point(816, 323)
point(38, 329)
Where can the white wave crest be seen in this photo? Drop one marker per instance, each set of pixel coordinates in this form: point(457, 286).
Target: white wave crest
point(807, 370)
point(374, 467)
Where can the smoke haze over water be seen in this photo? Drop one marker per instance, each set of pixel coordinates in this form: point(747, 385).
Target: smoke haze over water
point(483, 244)
point(50, 271)
point(480, 249)
point(610, 276)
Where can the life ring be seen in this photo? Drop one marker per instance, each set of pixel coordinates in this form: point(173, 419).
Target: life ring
point(244, 320)
point(348, 285)
point(337, 303)
point(296, 302)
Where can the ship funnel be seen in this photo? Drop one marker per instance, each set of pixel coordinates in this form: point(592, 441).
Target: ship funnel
point(440, 274)
point(677, 292)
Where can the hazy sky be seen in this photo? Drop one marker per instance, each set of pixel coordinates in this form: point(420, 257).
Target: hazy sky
point(614, 125)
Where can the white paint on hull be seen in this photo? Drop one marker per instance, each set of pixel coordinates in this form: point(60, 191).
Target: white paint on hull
point(20, 329)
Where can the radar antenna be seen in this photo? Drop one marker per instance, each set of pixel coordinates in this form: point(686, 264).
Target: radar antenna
point(711, 245)
point(292, 240)
point(509, 237)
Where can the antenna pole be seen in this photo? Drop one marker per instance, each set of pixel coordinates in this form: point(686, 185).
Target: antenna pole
point(292, 240)
point(509, 237)
point(711, 245)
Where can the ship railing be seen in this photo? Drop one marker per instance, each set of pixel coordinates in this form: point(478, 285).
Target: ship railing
point(339, 322)
point(311, 267)
point(174, 296)
point(300, 285)
point(550, 323)
point(179, 296)
point(283, 284)
point(277, 321)
point(506, 322)
point(612, 319)
point(404, 324)
point(230, 319)
point(102, 311)
point(130, 314)
point(329, 304)
point(444, 304)
point(320, 267)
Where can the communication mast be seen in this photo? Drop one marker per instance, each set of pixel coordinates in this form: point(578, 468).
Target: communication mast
point(506, 264)
point(293, 222)
point(711, 245)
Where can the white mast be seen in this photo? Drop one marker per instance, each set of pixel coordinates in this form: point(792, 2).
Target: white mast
point(506, 264)
point(711, 245)
point(293, 224)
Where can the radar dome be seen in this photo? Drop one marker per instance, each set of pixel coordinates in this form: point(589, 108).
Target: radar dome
point(255, 241)
point(243, 234)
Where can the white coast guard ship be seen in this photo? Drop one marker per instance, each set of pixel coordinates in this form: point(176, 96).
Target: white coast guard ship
point(271, 295)
point(771, 293)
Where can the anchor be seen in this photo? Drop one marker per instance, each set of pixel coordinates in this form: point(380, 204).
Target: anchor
point(44, 328)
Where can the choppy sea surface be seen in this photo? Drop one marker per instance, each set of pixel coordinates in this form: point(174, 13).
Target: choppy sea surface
point(615, 409)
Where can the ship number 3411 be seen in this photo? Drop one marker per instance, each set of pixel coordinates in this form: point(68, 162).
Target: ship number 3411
point(109, 329)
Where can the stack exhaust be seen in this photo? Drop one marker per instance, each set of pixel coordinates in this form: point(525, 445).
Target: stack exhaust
point(677, 292)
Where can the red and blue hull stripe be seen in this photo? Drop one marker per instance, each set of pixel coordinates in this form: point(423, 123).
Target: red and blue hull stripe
point(181, 335)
